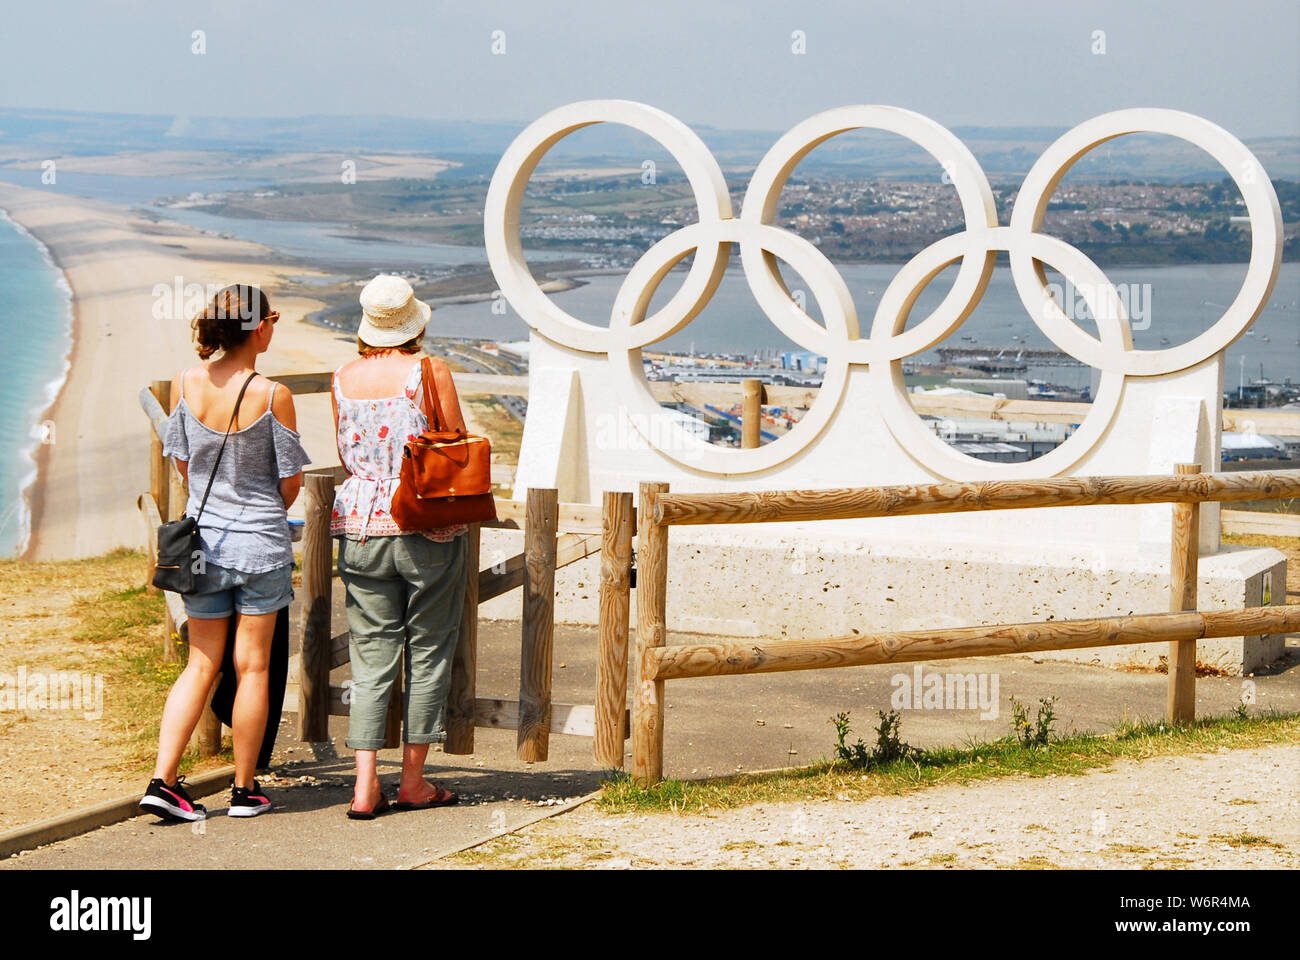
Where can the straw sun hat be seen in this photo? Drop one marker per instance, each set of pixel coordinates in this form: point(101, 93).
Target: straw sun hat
point(390, 313)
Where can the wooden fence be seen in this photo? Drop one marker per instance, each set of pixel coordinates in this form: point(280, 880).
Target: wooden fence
point(558, 534)
point(1181, 628)
point(555, 535)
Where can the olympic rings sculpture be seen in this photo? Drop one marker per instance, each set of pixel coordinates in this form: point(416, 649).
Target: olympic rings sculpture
point(762, 244)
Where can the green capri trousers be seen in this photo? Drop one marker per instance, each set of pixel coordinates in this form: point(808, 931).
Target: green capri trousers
point(405, 594)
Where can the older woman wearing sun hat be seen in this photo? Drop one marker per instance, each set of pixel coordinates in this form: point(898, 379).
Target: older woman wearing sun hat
point(405, 589)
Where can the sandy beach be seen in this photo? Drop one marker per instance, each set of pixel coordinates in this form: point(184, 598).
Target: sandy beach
point(83, 500)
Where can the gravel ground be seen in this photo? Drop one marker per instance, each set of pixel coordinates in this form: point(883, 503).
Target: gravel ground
point(1231, 809)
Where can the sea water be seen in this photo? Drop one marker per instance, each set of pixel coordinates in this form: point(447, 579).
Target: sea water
point(36, 333)
point(1178, 303)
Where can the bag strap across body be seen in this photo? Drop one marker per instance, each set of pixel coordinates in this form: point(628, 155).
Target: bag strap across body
point(217, 463)
point(434, 401)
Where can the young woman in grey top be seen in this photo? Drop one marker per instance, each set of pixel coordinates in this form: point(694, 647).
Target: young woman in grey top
point(246, 566)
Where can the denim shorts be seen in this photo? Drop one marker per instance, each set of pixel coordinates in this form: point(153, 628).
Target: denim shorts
point(220, 591)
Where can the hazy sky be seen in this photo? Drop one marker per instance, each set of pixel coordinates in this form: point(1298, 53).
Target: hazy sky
point(725, 64)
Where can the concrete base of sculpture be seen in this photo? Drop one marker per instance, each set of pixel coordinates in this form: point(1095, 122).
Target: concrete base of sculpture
point(751, 582)
point(909, 572)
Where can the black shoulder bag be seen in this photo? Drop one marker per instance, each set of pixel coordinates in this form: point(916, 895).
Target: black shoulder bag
point(178, 540)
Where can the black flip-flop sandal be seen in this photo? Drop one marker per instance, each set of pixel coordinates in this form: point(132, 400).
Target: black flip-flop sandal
point(381, 807)
point(451, 799)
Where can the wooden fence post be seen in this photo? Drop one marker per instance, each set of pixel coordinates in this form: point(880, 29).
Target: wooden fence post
point(543, 508)
point(206, 738)
point(651, 617)
point(615, 606)
point(158, 470)
point(464, 666)
point(751, 414)
point(314, 650)
point(1180, 703)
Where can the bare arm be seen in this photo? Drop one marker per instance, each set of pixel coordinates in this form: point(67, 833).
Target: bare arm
point(334, 405)
point(283, 409)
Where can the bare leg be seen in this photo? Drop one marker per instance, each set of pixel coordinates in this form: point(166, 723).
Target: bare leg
point(253, 634)
point(367, 791)
point(189, 694)
point(414, 788)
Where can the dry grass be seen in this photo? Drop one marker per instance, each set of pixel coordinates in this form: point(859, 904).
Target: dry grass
point(1246, 840)
point(94, 617)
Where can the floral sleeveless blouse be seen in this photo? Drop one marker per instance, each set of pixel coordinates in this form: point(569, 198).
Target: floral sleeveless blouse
point(372, 433)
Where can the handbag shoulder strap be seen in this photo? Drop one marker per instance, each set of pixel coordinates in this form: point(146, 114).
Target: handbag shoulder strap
point(213, 475)
point(431, 396)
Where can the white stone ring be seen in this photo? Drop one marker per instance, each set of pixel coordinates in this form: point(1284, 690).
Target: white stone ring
point(763, 244)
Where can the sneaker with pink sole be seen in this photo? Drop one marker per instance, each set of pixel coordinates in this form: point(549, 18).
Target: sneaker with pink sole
point(248, 801)
point(171, 802)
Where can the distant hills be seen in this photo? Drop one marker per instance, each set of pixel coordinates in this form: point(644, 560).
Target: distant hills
point(1005, 153)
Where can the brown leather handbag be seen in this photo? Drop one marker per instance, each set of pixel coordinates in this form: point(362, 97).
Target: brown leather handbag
point(446, 475)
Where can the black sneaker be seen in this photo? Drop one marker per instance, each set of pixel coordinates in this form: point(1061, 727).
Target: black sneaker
point(248, 801)
point(172, 802)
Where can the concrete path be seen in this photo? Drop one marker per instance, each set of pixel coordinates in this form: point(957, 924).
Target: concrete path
point(712, 726)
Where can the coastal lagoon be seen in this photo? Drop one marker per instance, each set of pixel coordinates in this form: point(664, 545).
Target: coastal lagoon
point(310, 241)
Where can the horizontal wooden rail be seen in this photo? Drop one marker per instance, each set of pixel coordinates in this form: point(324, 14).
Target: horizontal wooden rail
point(578, 720)
point(179, 619)
point(766, 506)
point(500, 578)
point(723, 659)
point(157, 420)
point(152, 520)
point(574, 517)
point(570, 548)
point(1259, 522)
point(467, 384)
point(153, 410)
